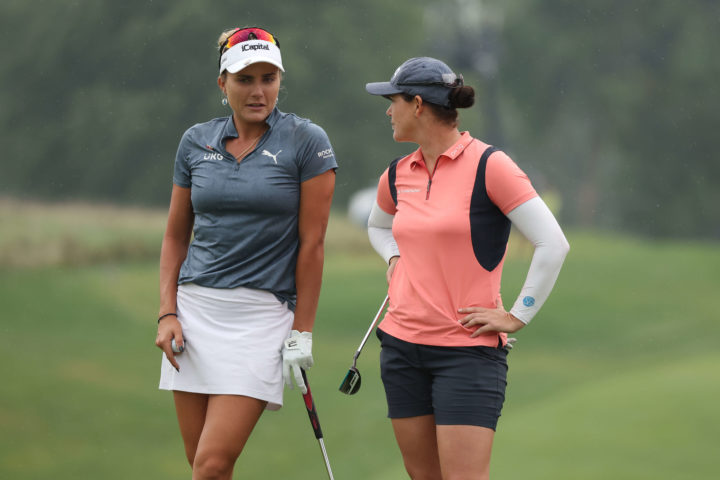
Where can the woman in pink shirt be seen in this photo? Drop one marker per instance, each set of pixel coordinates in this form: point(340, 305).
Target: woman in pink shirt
point(442, 220)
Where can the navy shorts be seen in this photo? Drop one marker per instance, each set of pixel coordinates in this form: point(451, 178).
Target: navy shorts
point(458, 385)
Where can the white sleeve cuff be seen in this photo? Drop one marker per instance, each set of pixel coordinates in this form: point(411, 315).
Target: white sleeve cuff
point(380, 233)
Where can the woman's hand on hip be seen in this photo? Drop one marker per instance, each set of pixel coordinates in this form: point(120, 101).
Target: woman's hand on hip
point(169, 329)
point(489, 320)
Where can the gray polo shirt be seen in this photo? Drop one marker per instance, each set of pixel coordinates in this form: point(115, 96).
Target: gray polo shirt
point(246, 214)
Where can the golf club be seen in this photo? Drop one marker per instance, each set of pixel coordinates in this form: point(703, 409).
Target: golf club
point(315, 422)
point(351, 383)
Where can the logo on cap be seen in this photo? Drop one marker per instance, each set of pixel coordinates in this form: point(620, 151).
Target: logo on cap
point(246, 47)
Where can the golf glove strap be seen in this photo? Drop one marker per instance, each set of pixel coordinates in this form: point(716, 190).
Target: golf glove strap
point(297, 354)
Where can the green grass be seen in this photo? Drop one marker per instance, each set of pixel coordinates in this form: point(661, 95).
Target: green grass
point(616, 378)
point(648, 422)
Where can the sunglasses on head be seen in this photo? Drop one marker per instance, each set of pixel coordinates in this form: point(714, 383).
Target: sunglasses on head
point(244, 34)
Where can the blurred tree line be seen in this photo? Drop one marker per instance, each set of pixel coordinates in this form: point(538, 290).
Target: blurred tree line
point(610, 105)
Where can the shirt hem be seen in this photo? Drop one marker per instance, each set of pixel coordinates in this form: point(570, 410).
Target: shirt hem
point(391, 328)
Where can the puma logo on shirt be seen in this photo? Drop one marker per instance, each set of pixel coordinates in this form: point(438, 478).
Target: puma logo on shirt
point(274, 157)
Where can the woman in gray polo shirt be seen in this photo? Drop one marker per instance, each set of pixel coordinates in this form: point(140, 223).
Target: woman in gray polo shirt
point(242, 256)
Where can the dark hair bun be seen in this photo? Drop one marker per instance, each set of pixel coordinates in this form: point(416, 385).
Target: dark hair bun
point(462, 97)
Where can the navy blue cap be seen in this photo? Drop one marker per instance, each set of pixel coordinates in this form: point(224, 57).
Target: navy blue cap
point(428, 77)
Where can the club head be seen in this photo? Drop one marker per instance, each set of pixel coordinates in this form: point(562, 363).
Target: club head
point(351, 383)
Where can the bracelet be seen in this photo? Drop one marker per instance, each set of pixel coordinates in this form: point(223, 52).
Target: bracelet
point(166, 315)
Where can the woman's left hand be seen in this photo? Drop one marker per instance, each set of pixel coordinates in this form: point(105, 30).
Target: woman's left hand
point(489, 320)
point(391, 268)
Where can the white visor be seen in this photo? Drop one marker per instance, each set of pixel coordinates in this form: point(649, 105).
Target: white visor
point(246, 53)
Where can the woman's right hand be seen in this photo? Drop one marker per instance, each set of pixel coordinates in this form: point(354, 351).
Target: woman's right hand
point(174, 251)
point(169, 329)
point(391, 268)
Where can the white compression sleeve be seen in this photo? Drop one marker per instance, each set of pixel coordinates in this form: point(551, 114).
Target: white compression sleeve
point(536, 222)
point(380, 233)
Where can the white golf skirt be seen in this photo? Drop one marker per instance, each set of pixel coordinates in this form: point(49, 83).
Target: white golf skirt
point(233, 343)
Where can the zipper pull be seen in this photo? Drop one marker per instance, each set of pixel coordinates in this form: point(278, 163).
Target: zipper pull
point(427, 195)
point(210, 148)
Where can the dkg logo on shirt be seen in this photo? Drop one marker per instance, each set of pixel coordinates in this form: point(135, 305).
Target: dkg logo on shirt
point(212, 156)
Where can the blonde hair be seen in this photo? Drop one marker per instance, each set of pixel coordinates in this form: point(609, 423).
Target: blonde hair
point(221, 41)
point(224, 36)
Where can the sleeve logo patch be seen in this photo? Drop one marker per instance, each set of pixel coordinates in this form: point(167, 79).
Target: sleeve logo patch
point(528, 301)
point(325, 154)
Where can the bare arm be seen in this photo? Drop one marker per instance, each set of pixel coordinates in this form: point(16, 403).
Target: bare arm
point(315, 199)
point(174, 250)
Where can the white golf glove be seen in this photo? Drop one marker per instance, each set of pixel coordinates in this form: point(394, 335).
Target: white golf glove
point(297, 354)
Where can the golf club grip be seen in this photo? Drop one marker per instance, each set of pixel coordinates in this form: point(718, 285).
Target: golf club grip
point(310, 406)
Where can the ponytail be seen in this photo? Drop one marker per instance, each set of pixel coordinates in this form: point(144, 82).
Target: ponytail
point(462, 97)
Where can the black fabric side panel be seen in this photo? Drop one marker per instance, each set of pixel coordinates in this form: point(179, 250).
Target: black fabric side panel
point(391, 179)
point(489, 227)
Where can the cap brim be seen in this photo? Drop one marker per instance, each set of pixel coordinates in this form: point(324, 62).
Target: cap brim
point(237, 66)
point(381, 88)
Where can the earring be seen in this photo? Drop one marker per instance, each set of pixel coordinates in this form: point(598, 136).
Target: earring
point(224, 101)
